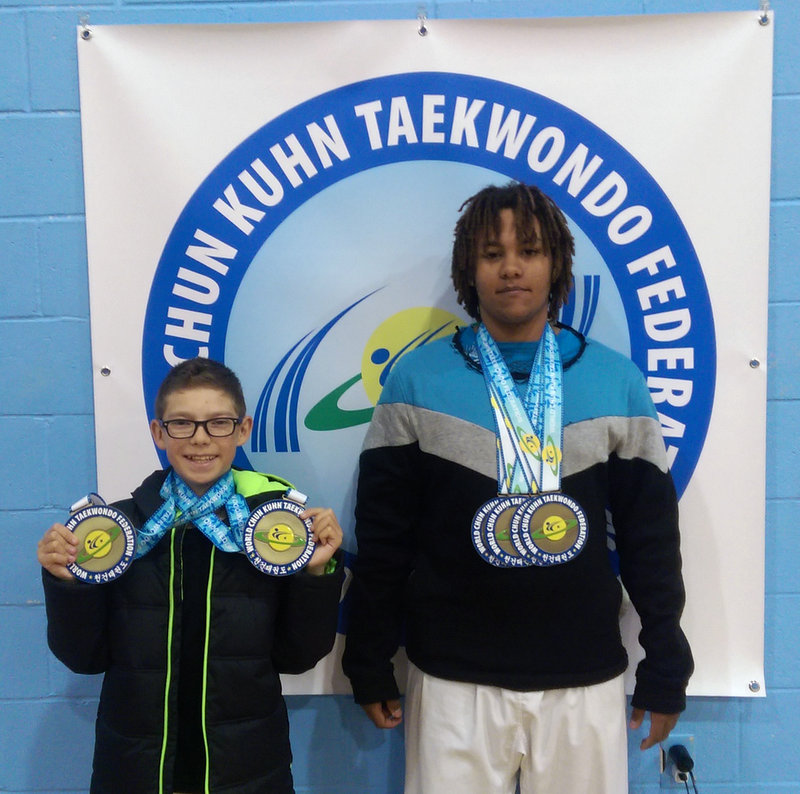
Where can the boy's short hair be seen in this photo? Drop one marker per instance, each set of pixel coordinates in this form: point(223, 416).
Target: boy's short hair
point(200, 372)
point(481, 217)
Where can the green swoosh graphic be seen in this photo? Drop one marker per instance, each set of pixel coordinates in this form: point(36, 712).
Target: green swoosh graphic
point(327, 415)
point(264, 538)
point(539, 533)
point(504, 534)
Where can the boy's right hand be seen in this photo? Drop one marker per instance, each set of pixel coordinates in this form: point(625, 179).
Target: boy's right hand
point(57, 549)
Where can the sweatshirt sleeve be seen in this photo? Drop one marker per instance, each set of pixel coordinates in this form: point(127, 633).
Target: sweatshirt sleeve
point(387, 509)
point(644, 509)
point(77, 623)
point(307, 620)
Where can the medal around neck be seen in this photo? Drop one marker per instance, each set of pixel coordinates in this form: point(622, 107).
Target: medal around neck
point(276, 540)
point(549, 529)
point(491, 532)
point(545, 527)
point(106, 541)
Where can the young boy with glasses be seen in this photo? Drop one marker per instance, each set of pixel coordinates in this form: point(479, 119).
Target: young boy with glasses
point(192, 637)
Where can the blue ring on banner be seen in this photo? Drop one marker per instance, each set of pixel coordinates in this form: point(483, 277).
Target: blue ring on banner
point(666, 227)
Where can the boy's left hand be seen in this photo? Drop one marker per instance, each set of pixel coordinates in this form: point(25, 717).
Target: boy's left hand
point(327, 535)
point(660, 726)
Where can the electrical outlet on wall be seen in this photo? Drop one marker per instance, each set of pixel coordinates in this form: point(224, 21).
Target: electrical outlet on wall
point(668, 778)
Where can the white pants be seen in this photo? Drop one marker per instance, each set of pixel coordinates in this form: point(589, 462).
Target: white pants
point(472, 739)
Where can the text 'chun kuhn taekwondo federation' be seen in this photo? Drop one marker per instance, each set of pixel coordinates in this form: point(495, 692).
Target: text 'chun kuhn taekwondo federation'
point(304, 260)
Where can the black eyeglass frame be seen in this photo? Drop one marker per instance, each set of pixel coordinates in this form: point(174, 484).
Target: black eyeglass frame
point(165, 423)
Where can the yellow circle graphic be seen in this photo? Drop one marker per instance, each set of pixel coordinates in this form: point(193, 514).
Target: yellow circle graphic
point(551, 455)
point(531, 443)
point(280, 537)
point(398, 335)
point(554, 527)
point(97, 543)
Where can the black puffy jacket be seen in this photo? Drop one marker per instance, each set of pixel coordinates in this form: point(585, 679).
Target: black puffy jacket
point(212, 633)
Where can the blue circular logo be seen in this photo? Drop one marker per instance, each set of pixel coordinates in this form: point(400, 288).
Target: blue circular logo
point(442, 121)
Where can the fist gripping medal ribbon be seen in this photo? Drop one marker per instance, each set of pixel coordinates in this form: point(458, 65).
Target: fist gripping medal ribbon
point(106, 540)
point(276, 540)
point(530, 522)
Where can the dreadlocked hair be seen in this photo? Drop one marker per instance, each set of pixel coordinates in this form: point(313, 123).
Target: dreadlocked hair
point(480, 218)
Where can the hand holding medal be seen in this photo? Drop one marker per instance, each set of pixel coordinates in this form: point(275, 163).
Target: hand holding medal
point(282, 537)
point(328, 536)
point(57, 549)
point(98, 542)
point(96, 545)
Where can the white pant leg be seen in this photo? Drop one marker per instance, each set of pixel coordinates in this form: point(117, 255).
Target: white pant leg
point(460, 738)
point(471, 739)
point(578, 741)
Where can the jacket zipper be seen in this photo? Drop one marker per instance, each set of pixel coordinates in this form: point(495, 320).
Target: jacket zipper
point(207, 782)
point(168, 681)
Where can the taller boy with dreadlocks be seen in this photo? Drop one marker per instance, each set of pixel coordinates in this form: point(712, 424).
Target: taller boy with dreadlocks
point(485, 480)
point(192, 637)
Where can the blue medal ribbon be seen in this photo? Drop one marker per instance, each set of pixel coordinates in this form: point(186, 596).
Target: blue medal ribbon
point(182, 505)
point(529, 432)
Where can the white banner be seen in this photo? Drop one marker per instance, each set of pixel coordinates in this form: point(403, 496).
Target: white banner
point(282, 197)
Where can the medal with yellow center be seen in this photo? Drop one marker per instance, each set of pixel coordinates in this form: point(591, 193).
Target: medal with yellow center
point(277, 540)
point(491, 532)
point(549, 529)
point(106, 543)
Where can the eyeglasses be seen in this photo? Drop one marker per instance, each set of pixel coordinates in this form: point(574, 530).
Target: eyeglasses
point(218, 427)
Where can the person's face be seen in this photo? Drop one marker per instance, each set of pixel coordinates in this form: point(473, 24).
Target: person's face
point(202, 459)
point(513, 280)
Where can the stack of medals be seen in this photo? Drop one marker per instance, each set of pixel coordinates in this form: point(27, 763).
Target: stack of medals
point(106, 540)
point(530, 522)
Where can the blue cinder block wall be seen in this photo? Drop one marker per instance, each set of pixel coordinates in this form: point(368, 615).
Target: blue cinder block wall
point(46, 419)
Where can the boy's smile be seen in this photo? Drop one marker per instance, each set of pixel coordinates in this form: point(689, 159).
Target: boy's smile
point(513, 279)
point(202, 459)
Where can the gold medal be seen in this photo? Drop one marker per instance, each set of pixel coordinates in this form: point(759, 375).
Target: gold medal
point(549, 529)
point(491, 532)
point(276, 540)
point(106, 543)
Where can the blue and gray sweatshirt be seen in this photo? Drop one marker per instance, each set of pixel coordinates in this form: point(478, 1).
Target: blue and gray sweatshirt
point(429, 462)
